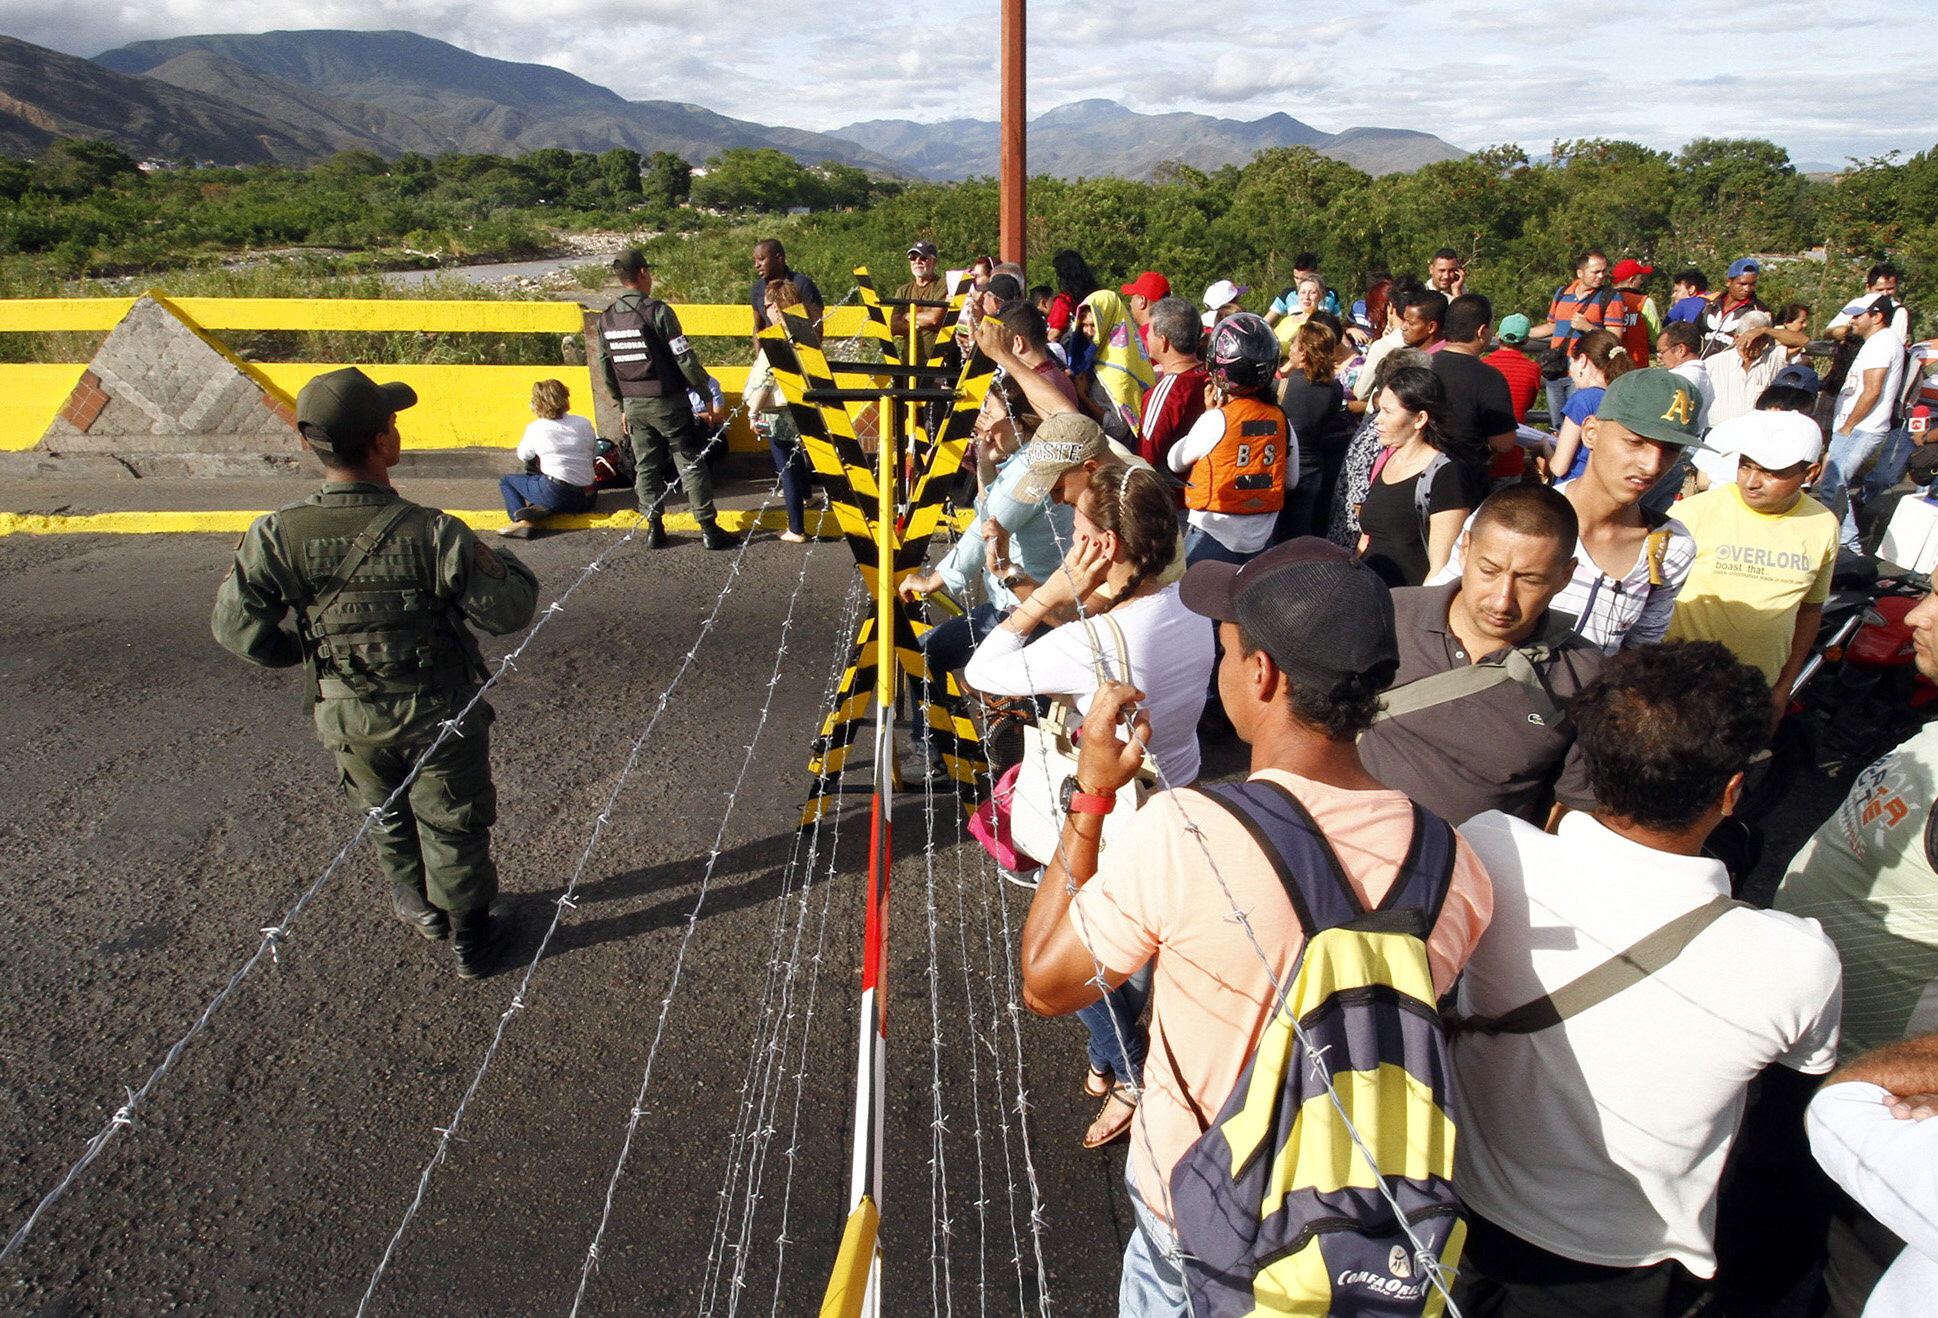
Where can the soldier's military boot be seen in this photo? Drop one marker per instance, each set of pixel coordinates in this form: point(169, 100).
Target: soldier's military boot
point(478, 939)
point(714, 537)
point(407, 900)
point(655, 533)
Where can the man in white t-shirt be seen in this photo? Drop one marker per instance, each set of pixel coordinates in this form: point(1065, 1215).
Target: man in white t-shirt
point(1864, 405)
point(1593, 1136)
point(1871, 1129)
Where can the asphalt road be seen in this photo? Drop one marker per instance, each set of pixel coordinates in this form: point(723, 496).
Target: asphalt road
point(165, 803)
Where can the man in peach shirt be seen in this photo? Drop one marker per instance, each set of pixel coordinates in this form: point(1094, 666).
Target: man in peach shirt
point(1308, 646)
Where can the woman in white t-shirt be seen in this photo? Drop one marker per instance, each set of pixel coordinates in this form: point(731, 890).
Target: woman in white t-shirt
point(1125, 537)
point(558, 450)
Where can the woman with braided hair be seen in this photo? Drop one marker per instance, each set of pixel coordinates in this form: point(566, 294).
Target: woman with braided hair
point(1111, 585)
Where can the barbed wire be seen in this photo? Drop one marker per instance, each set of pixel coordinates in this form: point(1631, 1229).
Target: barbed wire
point(638, 1109)
point(561, 904)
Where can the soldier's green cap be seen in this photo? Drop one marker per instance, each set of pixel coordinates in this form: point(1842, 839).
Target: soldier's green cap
point(348, 407)
point(1656, 404)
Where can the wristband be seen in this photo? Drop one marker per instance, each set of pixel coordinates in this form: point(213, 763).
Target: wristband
point(1076, 801)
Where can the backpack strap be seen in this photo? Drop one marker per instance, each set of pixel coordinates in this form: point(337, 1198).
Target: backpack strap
point(1519, 665)
point(1625, 969)
point(1423, 494)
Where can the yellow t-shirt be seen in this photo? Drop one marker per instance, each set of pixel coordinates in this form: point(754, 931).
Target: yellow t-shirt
point(1752, 572)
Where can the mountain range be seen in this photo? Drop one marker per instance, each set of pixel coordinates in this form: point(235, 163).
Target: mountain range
point(1102, 138)
point(298, 97)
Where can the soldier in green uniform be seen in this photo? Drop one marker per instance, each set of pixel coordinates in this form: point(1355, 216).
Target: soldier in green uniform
point(381, 591)
point(648, 366)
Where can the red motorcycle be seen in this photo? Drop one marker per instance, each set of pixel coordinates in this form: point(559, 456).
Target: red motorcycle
point(1859, 693)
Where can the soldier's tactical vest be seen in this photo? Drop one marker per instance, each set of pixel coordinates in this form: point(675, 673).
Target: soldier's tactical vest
point(642, 361)
point(370, 621)
point(1245, 473)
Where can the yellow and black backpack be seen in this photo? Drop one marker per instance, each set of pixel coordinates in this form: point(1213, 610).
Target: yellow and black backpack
point(1285, 1203)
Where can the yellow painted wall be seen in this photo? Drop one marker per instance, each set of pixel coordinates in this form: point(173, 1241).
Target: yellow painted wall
point(463, 406)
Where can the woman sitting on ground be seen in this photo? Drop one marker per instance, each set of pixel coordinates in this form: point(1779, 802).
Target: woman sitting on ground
point(558, 450)
point(1125, 535)
point(1404, 536)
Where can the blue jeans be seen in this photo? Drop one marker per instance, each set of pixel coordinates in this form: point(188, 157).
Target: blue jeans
point(1116, 1014)
point(790, 460)
point(1152, 1285)
point(1847, 456)
point(530, 497)
point(1888, 470)
point(1559, 392)
point(1203, 547)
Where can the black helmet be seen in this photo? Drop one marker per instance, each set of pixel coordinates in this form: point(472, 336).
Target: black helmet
point(1243, 351)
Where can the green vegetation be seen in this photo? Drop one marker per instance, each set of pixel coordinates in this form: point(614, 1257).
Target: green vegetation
point(84, 210)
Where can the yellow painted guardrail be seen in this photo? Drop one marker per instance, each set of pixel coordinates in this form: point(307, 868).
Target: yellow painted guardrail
point(461, 407)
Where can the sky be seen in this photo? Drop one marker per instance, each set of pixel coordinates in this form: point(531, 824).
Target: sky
point(1658, 72)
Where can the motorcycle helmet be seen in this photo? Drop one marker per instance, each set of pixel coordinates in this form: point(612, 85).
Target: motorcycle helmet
point(1243, 351)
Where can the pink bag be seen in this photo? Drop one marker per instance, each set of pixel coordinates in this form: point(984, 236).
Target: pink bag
point(989, 824)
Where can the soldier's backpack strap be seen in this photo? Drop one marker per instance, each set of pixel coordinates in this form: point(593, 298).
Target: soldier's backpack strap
point(366, 543)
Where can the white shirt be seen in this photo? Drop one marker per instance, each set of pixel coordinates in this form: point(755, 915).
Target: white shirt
point(1602, 1139)
point(1242, 533)
point(1171, 651)
point(1891, 1168)
point(1884, 351)
point(1696, 372)
point(564, 448)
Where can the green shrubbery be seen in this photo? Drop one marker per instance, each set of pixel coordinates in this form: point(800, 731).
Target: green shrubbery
point(84, 210)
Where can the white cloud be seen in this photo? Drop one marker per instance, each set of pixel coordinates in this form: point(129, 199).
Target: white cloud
point(1240, 77)
point(1488, 74)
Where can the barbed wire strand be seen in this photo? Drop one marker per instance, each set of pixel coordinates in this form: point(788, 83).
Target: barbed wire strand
point(772, 1018)
point(638, 1109)
point(274, 936)
point(942, 1229)
point(788, 1014)
point(565, 901)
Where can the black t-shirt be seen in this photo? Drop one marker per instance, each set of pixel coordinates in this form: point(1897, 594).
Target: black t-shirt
point(1396, 545)
point(1479, 403)
point(1316, 413)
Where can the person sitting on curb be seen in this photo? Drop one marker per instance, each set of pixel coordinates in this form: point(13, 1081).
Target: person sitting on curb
point(563, 447)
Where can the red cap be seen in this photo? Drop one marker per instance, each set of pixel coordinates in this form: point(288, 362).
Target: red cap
point(1150, 284)
point(1628, 268)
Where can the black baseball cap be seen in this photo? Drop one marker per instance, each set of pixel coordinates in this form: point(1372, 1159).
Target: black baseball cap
point(922, 248)
point(1322, 614)
point(348, 407)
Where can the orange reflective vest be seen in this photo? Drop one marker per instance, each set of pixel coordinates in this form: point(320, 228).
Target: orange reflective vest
point(1245, 473)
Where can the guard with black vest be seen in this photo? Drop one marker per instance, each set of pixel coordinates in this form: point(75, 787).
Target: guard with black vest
point(383, 595)
point(648, 366)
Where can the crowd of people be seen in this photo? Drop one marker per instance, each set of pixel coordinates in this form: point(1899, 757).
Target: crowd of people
point(1500, 687)
point(1333, 532)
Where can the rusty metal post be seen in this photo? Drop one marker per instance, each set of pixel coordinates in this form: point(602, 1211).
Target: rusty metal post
point(1014, 242)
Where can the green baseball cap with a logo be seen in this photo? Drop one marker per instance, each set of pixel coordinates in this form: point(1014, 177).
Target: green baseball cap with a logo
point(1656, 404)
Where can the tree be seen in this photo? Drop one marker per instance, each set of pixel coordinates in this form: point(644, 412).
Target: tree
point(751, 178)
point(1741, 195)
point(619, 168)
point(74, 167)
point(669, 179)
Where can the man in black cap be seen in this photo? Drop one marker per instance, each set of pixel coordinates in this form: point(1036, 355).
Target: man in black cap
point(384, 592)
point(648, 366)
point(924, 285)
point(1309, 644)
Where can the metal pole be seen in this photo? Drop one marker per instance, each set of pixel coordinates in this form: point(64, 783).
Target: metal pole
point(1014, 243)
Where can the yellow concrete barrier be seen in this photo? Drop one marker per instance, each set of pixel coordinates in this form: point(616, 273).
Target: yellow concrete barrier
point(462, 407)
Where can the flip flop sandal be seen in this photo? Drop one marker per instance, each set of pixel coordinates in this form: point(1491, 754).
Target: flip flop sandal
point(1113, 1118)
point(1096, 1081)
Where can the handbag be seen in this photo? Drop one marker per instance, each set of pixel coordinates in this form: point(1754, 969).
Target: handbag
point(764, 396)
point(1050, 756)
